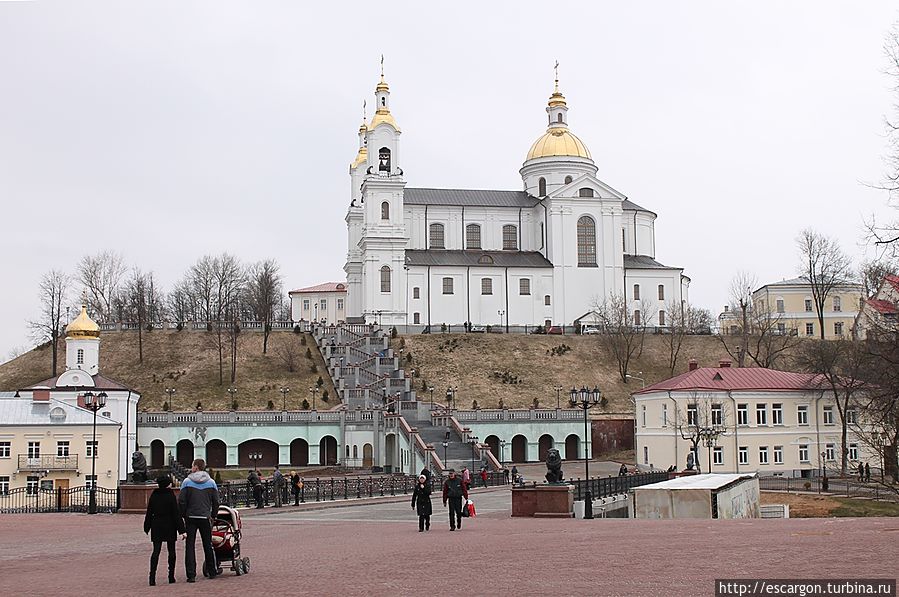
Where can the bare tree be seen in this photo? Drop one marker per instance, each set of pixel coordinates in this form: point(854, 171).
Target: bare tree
point(872, 274)
point(702, 422)
point(264, 294)
point(180, 303)
point(740, 295)
point(289, 352)
point(144, 305)
point(102, 276)
point(623, 325)
point(825, 266)
point(679, 325)
point(54, 289)
point(770, 341)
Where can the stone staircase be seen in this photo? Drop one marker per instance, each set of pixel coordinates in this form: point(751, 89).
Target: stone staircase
point(458, 454)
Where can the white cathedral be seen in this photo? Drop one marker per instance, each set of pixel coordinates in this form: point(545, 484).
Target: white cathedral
point(542, 255)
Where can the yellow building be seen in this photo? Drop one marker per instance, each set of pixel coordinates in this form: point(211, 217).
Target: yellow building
point(47, 444)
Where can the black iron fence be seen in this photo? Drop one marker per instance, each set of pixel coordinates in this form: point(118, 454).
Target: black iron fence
point(73, 499)
point(843, 486)
point(240, 493)
point(605, 486)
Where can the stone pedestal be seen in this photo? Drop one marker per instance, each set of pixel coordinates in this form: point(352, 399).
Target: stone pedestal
point(543, 501)
point(136, 497)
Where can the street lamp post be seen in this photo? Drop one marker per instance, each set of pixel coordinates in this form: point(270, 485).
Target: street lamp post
point(451, 397)
point(231, 391)
point(255, 457)
point(94, 403)
point(501, 312)
point(558, 397)
point(313, 390)
point(284, 391)
point(709, 437)
point(171, 393)
point(502, 453)
point(585, 398)
point(431, 390)
point(473, 441)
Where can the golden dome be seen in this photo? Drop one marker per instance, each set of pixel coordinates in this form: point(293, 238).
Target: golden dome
point(361, 157)
point(83, 326)
point(558, 141)
point(557, 99)
point(383, 116)
point(382, 84)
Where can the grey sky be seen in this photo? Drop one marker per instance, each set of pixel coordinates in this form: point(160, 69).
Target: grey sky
point(168, 130)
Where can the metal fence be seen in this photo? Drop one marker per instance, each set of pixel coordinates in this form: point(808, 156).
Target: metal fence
point(23, 500)
point(844, 486)
point(605, 486)
point(240, 494)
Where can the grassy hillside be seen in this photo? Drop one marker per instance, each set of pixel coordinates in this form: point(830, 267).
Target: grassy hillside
point(518, 368)
point(188, 361)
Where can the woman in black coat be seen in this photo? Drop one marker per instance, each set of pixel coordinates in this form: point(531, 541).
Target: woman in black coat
point(421, 502)
point(164, 523)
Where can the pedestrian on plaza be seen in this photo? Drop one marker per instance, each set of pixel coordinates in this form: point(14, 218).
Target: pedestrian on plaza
point(164, 523)
point(199, 503)
point(867, 473)
point(861, 472)
point(484, 475)
point(506, 474)
point(514, 473)
point(421, 502)
point(454, 490)
point(296, 486)
point(622, 470)
point(466, 477)
point(256, 488)
point(278, 482)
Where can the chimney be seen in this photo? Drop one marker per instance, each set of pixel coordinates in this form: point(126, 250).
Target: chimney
point(724, 364)
point(41, 394)
point(694, 365)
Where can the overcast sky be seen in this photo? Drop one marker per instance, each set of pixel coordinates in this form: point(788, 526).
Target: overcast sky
point(169, 130)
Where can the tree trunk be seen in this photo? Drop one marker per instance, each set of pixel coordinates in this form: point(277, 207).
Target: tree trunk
point(845, 451)
point(266, 330)
point(54, 342)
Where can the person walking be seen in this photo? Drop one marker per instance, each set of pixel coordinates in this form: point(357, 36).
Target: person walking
point(861, 472)
point(466, 477)
point(867, 473)
point(454, 490)
point(164, 523)
point(421, 502)
point(296, 486)
point(199, 503)
point(278, 482)
point(484, 476)
point(622, 470)
point(256, 488)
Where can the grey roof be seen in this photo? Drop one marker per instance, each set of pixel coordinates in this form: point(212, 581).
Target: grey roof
point(468, 197)
point(803, 281)
point(644, 262)
point(22, 411)
point(630, 205)
point(476, 258)
point(100, 383)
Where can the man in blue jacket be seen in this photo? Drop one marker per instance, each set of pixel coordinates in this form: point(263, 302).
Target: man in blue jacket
point(199, 503)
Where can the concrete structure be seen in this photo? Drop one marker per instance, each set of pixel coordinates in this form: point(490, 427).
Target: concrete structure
point(767, 421)
point(82, 375)
point(541, 255)
point(324, 303)
point(699, 496)
point(46, 443)
point(788, 308)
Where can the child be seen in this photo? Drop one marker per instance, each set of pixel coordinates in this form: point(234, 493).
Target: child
point(421, 502)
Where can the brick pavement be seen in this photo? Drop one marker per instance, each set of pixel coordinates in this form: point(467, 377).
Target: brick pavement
point(376, 549)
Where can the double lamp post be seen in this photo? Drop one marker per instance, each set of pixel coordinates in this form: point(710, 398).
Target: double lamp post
point(94, 403)
point(585, 399)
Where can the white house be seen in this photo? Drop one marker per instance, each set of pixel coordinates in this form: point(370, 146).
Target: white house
point(323, 303)
point(540, 255)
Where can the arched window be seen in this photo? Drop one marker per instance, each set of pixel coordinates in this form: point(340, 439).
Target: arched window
point(486, 285)
point(662, 318)
point(473, 236)
point(837, 304)
point(385, 211)
point(541, 187)
point(385, 279)
point(586, 242)
point(436, 236)
point(568, 180)
point(636, 292)
point(637, 319)
point(384, 160)
point(559, 117)
point(661, 292)
point(585, 192)
point(510, 237)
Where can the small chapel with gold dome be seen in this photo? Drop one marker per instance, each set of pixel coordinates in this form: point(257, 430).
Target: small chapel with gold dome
point(545, 254)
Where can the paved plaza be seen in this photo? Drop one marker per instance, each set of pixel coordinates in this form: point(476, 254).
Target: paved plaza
point(376, 549)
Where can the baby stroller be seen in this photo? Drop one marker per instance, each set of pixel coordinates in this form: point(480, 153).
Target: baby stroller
point(226, 540)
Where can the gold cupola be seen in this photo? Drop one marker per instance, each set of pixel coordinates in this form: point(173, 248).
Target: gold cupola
point(362, 154)
point(558, 140)
point(83, 326)
point(382, 97)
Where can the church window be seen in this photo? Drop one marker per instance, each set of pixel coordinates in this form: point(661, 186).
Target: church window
point(486, 285)
point(559, 117)
point(662, 318)
point(510, 237)
point(661, 292)
point(436, 236)
point(541, 187)
point(473, 236)
point(637, 319)
point(416, 292)
point(524, 286)
point(384, 160)
point(585, 192)
point(837, 304)
point(586, 242)
point(485, 260)
point(416, 318)
point(385, 279)
point(547, 301)
point(79, 358)
point(447, 286)
point(636, 292)
point(623, 241)
point(385, 211)
point(568, 180)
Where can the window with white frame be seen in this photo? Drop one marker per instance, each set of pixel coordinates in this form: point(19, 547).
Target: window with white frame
point(586, 242)
point(851, 416)
point(777, 414)
point(473, 236)
point(661, 292)
point(79, 356)
point(4, 485)
point(718, 455)
point(802, 414)
point(853, 451)
point(416, 318)
point(828, 415)
point(780, 305)
point(808, 305)
point(742, 414)
point(31, 484)
point(524, 287)
point(305, 304)
point(447, 286)
point(486, 285)
point(638, 320)
point(510, 237)
point(385, 210)
point(837, 304)
point(830, 452)
point(717, 415)
point(743, 455)
point(761, 414)
point(436, 233)
point(636, 292)
point(763, 454)
point(62, 448)
point(691, 414)
point(778, 454)
point(803, 453)
point(809, 329)
point(90, 481)
point(92, 448)
point(838, 328)
point(385, 278)
point(547, 301)
point(4, 449)
point(643, 419)
point(324, 304)
point(661, 318)
point(416, 292)
point(34, 449)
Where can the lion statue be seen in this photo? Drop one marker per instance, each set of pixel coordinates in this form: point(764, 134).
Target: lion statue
point(139, 466)
point(553, 466)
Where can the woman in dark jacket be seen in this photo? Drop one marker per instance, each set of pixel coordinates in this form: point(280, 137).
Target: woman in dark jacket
point(421, 501)
point(164, 523)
